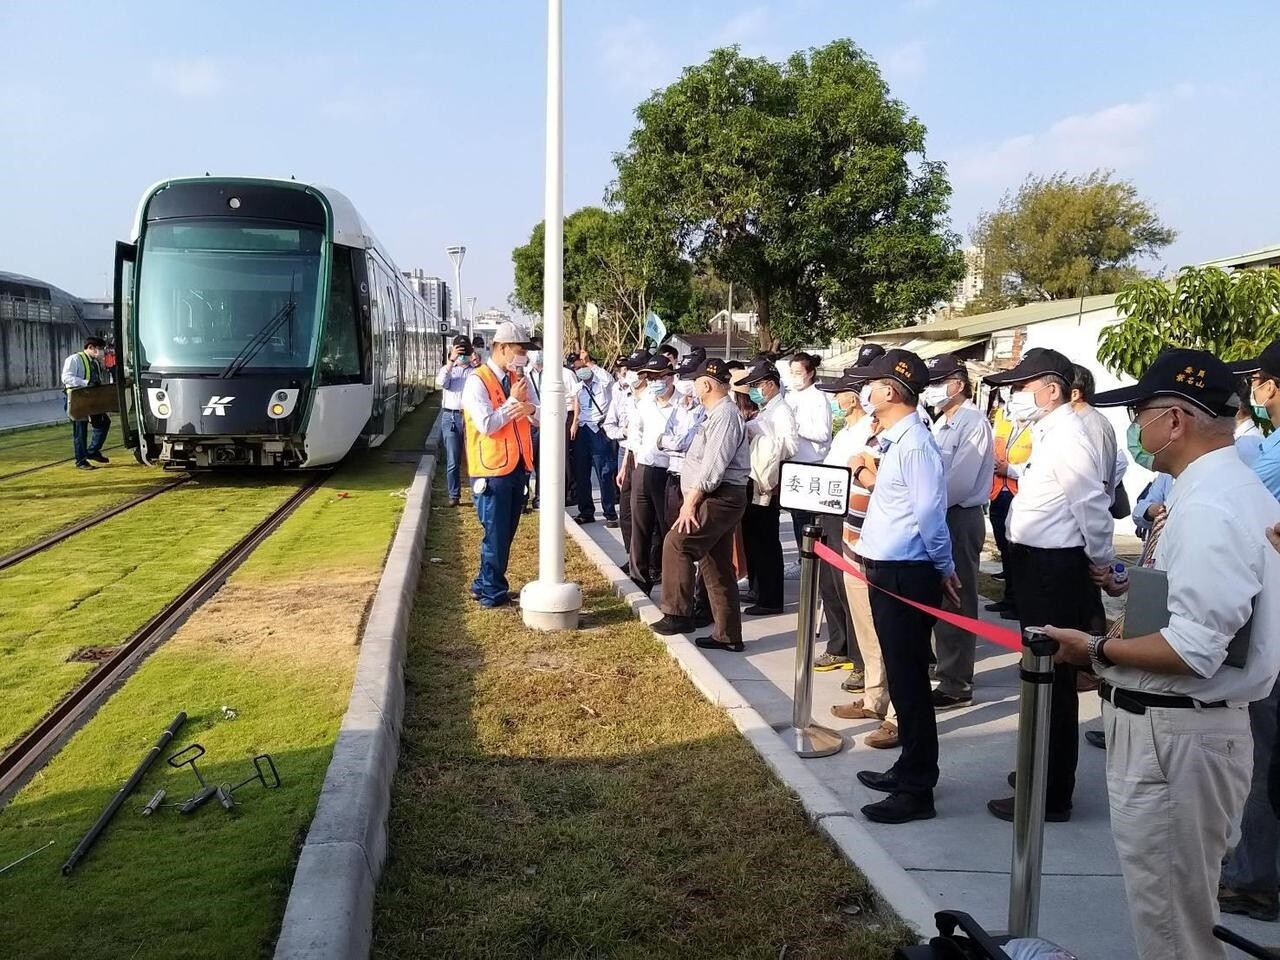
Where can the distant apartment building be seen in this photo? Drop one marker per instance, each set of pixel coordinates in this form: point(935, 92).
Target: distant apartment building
point(486, 324)
point(970, 288)
point(433, 290)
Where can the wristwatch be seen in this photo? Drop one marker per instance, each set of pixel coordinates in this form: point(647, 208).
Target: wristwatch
point(1097, 651)
point(861, 467)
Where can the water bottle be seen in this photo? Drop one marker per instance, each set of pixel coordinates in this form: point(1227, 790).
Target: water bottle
point(1119, 575)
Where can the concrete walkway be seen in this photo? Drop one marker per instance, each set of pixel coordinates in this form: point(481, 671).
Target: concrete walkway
point(962, 857)
point(18, 414)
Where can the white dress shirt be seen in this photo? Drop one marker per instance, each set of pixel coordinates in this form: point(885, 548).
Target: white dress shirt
point(593, 398)
point(1221, 569)
point(1062, 500)
point(964, 437)
point(622, 410)
point(450, 380)
point(651, 422)
point(781, 419)
point(850, 439)
point(1103, 436)
point(1248, 441)
point(480, 411)
point(907, 516)
point(812, 410)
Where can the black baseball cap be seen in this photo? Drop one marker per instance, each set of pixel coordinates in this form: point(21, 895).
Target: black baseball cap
point(944, 366)
point(690, 363)
point(901, 365)
point(848, 382)
point(867, 353)
point(761, 369)
point(1036, 362)
point(1267, 362)
point(1196, 376)
point(462, 343)
point(636, 359)
point(657, 364)
point(712, 367)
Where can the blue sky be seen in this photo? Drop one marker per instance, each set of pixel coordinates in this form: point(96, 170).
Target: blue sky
point(430, 115)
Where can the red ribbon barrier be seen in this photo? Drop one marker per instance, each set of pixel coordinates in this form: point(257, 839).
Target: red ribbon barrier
point(1001, 636)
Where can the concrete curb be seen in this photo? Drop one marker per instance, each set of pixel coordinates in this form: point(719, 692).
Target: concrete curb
point(893, 884)
point(329, 915)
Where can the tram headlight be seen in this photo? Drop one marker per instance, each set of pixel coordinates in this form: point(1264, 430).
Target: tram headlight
point(282, 403)
point(277, 409)
point(162, 409)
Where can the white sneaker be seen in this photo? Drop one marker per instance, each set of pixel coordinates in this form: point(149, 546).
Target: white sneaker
point(744, 584)
point(791, 571)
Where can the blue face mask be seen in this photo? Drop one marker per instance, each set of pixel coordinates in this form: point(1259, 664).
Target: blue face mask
point(657, 388)
point(584, 374)
point(836, 410)
point(1133, 440)
point(757, 396)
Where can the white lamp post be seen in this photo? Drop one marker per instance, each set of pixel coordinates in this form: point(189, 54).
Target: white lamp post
point(471, 316)
point(549, 603)
point(456, 253)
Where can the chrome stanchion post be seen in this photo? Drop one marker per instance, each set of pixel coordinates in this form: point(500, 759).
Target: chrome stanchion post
point(810, 739)
point(1038, 649)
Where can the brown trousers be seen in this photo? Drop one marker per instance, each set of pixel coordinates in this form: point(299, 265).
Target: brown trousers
point(719, 515)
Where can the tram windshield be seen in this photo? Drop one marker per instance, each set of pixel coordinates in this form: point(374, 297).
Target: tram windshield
point(227, 295)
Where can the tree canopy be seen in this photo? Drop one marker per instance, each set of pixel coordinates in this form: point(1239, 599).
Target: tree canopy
point(1059, 237)
point(803, 182)
point(1231, 315)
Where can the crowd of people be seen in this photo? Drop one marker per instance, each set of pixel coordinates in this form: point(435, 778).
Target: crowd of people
point(686, 455)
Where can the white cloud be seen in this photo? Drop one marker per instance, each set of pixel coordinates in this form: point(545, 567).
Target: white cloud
point(1116, 136)
point(748, 29)
point(634, 56)
point(906, 62)
point(191, 76)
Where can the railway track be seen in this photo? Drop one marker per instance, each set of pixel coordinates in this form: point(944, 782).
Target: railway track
point(80, 526)
point(39, 744)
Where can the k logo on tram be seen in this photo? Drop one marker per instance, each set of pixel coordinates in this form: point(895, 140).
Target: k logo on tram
point(217, 406)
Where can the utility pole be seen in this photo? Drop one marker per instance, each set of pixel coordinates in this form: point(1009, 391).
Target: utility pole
point(471, 316)
point(728, 326)
point(550, 603)
point(456, 253)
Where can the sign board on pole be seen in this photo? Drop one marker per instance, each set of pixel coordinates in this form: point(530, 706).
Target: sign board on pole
point(814, 487)
point(444, 327)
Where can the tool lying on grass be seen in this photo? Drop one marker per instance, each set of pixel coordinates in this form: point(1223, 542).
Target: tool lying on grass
point(122, 794)
point(10, 866)
point(265, 773)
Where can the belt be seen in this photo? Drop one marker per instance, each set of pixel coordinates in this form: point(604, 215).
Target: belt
point(895, 564)
point(1137, 701)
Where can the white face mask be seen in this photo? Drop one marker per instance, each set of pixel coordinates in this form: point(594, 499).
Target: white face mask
point(518, 362)
point(1022, 405)
point(684, 387)
point(934, 395)
point(631, 378)
point(864, 398)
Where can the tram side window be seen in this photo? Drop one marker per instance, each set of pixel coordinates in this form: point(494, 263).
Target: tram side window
point(340, 348)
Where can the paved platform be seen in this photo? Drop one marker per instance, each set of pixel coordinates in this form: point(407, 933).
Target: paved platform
point(18, 414)
point(962, 857)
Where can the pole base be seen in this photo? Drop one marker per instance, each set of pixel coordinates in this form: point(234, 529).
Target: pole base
point(816, 741)
point(550, 606)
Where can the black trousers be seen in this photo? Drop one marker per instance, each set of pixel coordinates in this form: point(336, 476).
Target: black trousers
point(764, 551)
point(649, 523)
point(905, 634)
point(1054, 587)
point(841, 641)
point(998, 511)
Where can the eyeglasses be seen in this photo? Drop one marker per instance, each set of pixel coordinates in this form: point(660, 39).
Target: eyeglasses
point(1135, 411)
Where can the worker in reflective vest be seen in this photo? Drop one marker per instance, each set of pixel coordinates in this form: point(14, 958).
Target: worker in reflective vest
point(500, 410)
point(1012, 445)
point(82, 370)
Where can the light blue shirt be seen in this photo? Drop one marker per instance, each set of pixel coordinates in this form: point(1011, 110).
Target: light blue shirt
point(907, 516)
point(1267, 466)
point(450, 380)
point(1157, 492)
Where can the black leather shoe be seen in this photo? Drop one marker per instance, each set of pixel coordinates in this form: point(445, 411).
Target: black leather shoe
point(885, 782)
point(582, 521)
point(1000, 606)
point(643, 585)
point(1009, 614)
point(900, 808)
point(1096, 738)
point(711, 643)
point(1003, 810)
point(98, 458)
point(611, 523)
point(755, 610)
point(669, 626)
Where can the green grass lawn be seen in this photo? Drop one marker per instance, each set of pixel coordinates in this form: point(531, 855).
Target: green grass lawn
point(278, 644)
point(572, 795)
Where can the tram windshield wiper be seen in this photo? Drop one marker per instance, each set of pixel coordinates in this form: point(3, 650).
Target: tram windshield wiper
point(258, 341)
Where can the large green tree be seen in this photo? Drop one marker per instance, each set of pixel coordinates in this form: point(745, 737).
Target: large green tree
point(803, 182)
point(1059, 237)
point(1231, 315)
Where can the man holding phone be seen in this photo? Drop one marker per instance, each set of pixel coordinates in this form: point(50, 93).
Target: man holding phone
point(461, 364)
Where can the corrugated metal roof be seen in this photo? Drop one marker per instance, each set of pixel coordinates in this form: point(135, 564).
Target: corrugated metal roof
point(1261, 256)
point(984, 324)
point(924, 349)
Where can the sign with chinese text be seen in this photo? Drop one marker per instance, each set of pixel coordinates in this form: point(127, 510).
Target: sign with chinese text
point(814, 487)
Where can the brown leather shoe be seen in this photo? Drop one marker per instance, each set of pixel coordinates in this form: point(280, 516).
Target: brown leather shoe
point(854, 711)
point(883, 739)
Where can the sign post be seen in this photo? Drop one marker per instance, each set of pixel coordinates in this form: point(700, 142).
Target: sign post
point(816, 488)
